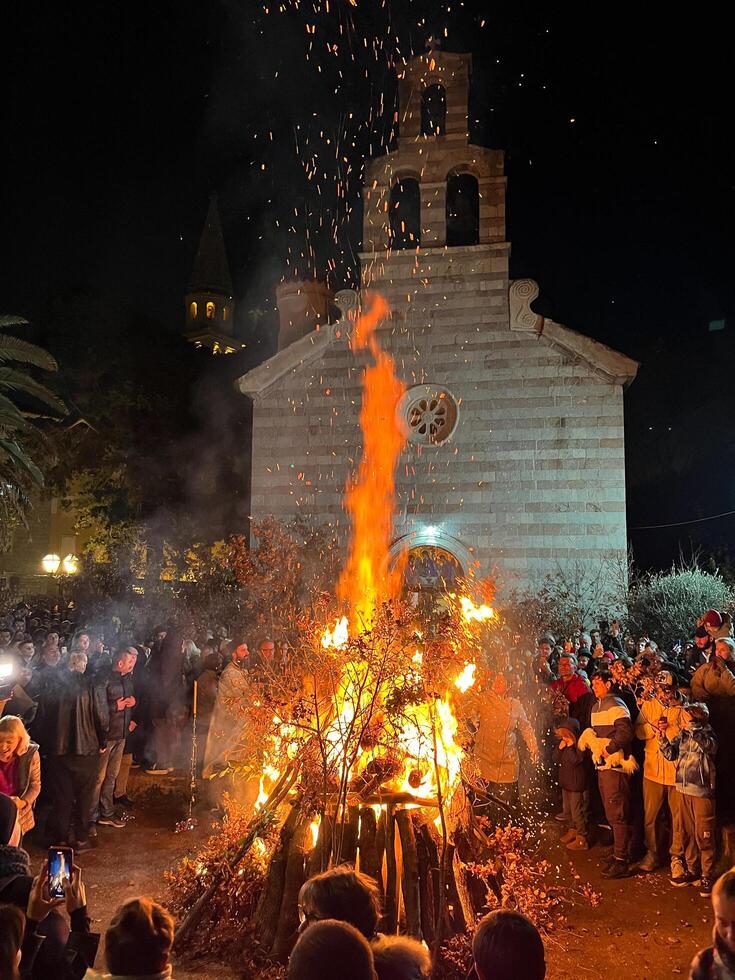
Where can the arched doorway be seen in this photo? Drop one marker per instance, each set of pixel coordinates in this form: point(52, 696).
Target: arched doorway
point(431, 568)
point(405, 214)
point(463, 210)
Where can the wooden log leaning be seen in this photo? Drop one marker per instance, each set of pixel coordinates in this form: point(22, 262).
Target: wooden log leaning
point(380, 848)
point(268, 908)
point(390, 912)
point(288, 918)
point(257, 827)
point(464, 892)
point(426, 884)
point(320, 855)
point(455, 903)
point(432, 842)
point(410, 874)
point(347, 836)
point(367, 843)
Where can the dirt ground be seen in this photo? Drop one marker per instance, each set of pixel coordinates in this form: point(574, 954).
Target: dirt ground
point(643, 929)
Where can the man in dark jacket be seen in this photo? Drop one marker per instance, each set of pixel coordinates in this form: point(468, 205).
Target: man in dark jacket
point(611, 721)
point(117, 685)
point(73, 756)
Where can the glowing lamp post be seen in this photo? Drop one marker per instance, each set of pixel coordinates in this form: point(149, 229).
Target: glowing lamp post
point(60, 568)
point(51, 564)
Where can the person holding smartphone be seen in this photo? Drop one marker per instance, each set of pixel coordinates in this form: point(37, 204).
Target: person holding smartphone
point(67, 960)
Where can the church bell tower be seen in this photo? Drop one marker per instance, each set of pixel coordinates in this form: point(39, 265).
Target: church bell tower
point(436, 190)
point(210, 306)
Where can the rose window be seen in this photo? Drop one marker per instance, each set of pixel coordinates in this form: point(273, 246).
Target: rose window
point(428, 414)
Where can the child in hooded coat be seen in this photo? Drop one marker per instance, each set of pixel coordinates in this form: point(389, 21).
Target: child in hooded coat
point(574, 781)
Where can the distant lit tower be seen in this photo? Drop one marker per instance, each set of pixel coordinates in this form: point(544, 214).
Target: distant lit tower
point(210, 307)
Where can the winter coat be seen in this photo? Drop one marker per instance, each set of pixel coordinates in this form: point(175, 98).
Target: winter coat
point(46, 688)
point(574, 768)
point(694, 753)
point(29, 785)
point(713, 680)
point(572, 689)
point(714, 963)
point(656, 766)
point(166, 672)
point(498, 719)
point(116, 686)
point(82, 720)
point(611, 719)
point(41, 959)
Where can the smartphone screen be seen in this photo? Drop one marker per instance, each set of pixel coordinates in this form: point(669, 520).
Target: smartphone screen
point(60, 861)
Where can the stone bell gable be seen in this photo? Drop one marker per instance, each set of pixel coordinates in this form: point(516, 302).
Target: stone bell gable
point(514, 457)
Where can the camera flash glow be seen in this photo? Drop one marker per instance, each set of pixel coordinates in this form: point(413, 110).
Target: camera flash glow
point(6, 670)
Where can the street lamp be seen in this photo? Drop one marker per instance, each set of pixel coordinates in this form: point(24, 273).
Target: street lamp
point(59, 568)
point(50, 564)
point(70, 565)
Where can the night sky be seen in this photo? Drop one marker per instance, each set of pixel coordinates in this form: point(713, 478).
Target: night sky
point(616, 122)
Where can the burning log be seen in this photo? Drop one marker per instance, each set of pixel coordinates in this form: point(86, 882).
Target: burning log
point(370, 861)
point(346, 849)
point(390, 909)
point(319, 857)
point(410, 882)
point(426, 875)
point(295, 876)
point(271, 898)
point(258, 826)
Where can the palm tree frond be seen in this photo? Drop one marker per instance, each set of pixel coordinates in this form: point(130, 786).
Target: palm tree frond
point(15, 349)
point(9, 421)
point(13, 380)
point(22, 460)
point(10, 408)
point(12, 320)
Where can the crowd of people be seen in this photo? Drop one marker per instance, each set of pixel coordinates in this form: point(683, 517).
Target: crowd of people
point(637, 739)
point(637, 753)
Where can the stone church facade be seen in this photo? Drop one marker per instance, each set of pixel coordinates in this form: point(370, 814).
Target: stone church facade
point(514, 460)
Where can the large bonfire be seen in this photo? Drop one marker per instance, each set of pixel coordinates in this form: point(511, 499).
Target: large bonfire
point(357, 749)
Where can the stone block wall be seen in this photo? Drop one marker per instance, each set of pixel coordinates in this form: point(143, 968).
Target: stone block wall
point(532, 479)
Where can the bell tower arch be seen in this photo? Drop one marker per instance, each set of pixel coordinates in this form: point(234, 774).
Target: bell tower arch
point(453, 175)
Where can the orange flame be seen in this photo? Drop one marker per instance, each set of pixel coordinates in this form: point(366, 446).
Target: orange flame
point(370, 493)
point(471, 612)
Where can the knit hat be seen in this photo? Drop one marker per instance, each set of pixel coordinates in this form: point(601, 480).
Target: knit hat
point(712, 619)
point(13, 861)
point(701, 632)
point(8, 817)
point(571, 725)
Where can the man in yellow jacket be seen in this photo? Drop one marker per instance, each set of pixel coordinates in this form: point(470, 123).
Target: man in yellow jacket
point(661, 713)
point(497, 719)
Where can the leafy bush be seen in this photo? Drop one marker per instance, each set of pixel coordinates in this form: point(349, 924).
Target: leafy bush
point(668, 604)
point(574, 597)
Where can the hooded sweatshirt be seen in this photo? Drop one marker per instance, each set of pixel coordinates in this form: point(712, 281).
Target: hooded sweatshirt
point(694, 753)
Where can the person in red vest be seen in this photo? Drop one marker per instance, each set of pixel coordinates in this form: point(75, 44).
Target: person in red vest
point(571, 684)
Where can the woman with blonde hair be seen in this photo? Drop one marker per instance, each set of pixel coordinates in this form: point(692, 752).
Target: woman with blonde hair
point(20, 769)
